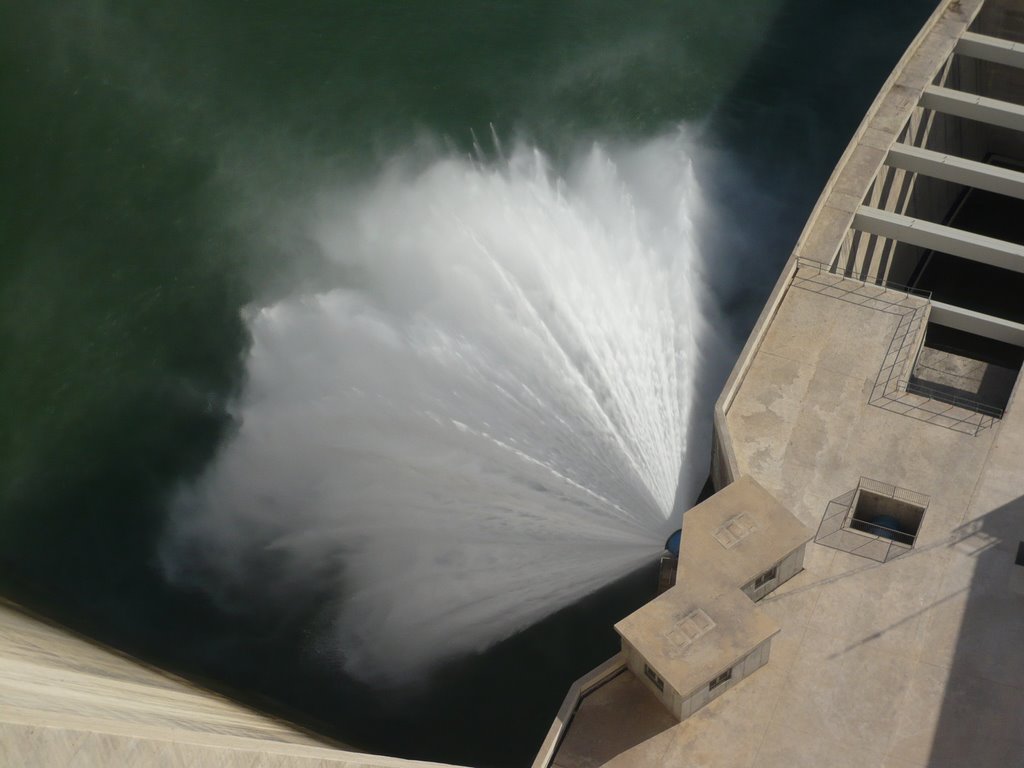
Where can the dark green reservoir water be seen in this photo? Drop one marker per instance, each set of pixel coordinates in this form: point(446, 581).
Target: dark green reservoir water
point(143, 148)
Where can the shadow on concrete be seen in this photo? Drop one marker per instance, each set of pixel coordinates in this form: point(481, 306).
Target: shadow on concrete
point(973, 699)
point(964, 704)
point(981, 720)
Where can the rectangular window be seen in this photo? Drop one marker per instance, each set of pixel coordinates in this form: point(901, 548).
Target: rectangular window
point(653, 677)
point(722, 678)
point(765, 577)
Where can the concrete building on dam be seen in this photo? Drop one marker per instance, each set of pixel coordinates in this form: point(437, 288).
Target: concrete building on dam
point(853, 595)
point(704, 635)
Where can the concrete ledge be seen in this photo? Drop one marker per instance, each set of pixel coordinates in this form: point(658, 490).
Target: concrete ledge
point(927, 234)
point(46, 738)
point(958, 170)
point(977, 323)
point(973, 107)
point(993, 49)
point(728, 466)
point(577, 691)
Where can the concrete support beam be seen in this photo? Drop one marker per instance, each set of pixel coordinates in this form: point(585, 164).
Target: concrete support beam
point(926, 234)
point(973, 107)
point(959, 170)
point(993, 49)
point(975, 322)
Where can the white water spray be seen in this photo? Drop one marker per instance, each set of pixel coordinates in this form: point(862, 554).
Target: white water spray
point(485, 422)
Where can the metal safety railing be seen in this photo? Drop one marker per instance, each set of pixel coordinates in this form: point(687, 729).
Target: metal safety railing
point(842, 529)
point(828, 280)
point(896, 388)
point(891, 491)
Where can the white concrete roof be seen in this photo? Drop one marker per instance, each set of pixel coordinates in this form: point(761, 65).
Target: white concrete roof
point(696, 630)
point(739, 533)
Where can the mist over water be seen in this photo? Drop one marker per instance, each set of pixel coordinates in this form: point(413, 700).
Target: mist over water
point(483, 421)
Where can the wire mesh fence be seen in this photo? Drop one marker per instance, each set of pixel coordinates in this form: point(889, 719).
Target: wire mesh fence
point(895, 388)
point(875, 538)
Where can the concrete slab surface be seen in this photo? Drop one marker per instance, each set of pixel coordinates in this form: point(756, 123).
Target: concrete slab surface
point(610, 720)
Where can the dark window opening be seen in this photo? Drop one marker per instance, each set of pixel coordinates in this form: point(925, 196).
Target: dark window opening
point(765, 577)
point(653, 677)
point(722, 678)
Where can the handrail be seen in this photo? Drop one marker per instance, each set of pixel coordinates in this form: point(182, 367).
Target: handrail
point(904, 382)
point(823, 268)
point(914, 386)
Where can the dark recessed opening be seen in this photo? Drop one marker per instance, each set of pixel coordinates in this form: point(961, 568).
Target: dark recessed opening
point(886, 517)
point(970, 284)
point(966, 370)
point(722, 678)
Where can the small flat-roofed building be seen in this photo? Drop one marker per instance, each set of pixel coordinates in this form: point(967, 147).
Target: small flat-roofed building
point(746, 537)
point(695, 641)
point(704, 635)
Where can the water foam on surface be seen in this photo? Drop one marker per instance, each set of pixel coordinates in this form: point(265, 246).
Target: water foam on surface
point(484, 421)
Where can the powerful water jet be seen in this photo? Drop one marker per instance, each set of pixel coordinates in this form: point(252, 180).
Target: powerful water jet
point(481, 421)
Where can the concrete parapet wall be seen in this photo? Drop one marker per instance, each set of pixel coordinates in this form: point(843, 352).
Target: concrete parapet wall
point(52, 745)
point(724, 469)
point(869, 257)
point(577, 691)
point(826, 237)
